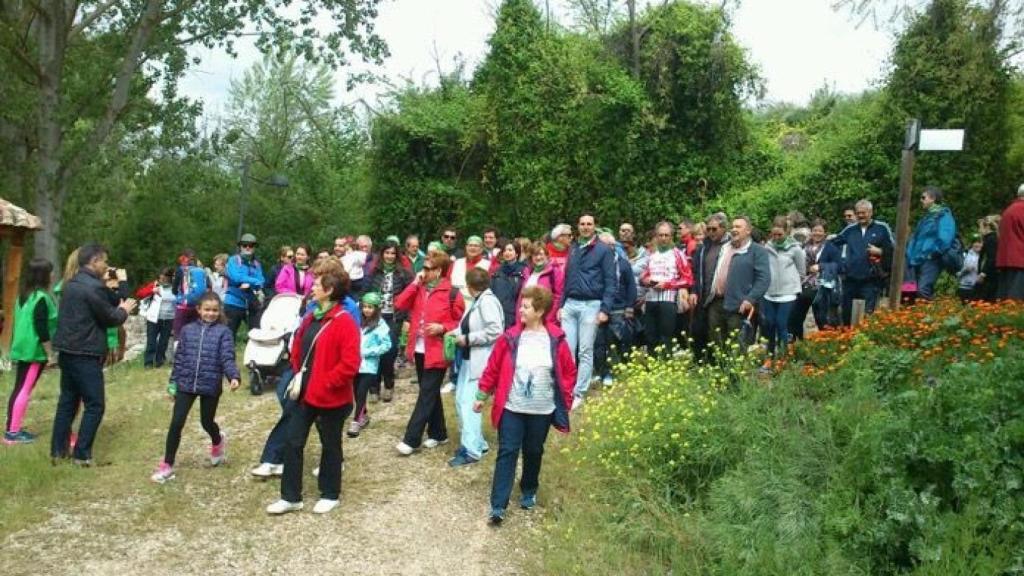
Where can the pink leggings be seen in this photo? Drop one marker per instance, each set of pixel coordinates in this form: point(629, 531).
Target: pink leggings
point(27, 375)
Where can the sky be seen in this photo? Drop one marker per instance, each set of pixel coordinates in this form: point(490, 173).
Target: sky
point(799, 45)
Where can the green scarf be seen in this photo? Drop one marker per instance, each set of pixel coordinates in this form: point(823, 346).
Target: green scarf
point(559, 246)
point(319, 312)
point(432, 284)
point(388, 268)
point(584, 240)
point(935, 208)
point(539, 267)
point(664, 249)
point(785, 244)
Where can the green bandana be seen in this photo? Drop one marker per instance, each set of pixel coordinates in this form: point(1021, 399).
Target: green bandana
point(664, 249)
point(319, 312)
point(558, 246)
point(435, 245)
point(539, 267)
point(432, 284)
point(585, 240)
point(935, 208)
point(371, 298)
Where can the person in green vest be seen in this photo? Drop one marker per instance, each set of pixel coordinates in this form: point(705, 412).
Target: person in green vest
point(35, 321)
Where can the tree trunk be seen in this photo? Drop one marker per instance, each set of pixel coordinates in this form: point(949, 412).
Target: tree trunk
point(634, 38)
point(50, 189)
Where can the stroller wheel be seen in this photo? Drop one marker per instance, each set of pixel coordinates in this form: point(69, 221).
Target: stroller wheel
point(255, 383)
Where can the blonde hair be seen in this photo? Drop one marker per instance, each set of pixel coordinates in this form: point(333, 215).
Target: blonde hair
point(71, 266)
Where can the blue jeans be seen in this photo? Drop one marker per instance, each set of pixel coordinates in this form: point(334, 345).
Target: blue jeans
point(579, 320)
point(776, 324)
point(273, 448)
point(471, 433)
point(927, 274)
point(866, 289)
point(81, 380)
point(518, 431)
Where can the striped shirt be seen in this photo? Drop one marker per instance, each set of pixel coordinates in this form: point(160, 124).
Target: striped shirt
point(533, 388)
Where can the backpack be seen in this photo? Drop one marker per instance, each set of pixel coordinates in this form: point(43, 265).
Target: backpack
point(952, 258)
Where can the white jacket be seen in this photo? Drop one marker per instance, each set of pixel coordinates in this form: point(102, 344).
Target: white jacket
point(486, 324)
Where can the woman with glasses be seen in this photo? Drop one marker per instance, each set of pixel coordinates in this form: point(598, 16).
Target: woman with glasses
point(285, 255)
point(434, 308)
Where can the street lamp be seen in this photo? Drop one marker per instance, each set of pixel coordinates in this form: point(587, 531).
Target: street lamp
point(276, 180)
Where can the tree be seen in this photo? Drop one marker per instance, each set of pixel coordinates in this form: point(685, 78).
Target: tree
point(133, 45)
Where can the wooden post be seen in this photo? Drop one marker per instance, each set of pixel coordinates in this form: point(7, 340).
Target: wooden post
point(12, 273)
point(857, 311)
point(903, 213)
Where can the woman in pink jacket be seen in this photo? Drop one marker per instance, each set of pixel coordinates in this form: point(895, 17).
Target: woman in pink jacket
point(295, 278)
point(539, 271)
point(531, 374)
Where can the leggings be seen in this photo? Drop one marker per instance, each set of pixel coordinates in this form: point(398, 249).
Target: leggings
point(387, 361)
point(27, 375)
point(364, 382)
point(182, 405)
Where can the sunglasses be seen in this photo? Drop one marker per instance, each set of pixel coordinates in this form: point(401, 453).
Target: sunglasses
point(429, 268)
point(449, 236)
point(246, 245)
point(289, 256)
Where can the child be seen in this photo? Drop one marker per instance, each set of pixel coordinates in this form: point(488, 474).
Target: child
point(375, 342)
point(967, 277)
point(35, 321)
point(205, 355)
point(158, 309)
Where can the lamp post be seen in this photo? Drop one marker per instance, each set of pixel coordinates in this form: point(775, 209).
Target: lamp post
point(276, 181)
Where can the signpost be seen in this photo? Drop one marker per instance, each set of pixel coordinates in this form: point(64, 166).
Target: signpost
point(915, 139)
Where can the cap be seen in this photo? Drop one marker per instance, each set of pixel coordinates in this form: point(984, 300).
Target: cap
point(371, 298)
point(560, 230)
point(435, 245)
point(247, 239)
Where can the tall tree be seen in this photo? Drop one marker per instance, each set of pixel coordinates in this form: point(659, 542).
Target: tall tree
point(134, 44)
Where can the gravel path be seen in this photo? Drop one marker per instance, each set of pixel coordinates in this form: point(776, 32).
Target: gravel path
point(398, 515)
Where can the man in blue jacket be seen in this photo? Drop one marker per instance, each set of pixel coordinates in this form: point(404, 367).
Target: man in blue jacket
point(867, 247)
point(932, 237)
point(618, 331)
point(245, 286)
point(738, 281)
point(587, 299)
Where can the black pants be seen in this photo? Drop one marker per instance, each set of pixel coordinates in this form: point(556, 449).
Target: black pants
point(81, 381)
point(799, 314)
point(699, 332)
point(724, 327)
point(158, 335)
point(364, 383)
point(660, 326)
point(236, 315)
point(429, 411)
point(182, 406)
point(867, 289)
point(329, 422)
point(387, 361)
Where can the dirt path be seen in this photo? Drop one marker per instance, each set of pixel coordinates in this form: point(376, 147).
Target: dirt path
point(398, 515)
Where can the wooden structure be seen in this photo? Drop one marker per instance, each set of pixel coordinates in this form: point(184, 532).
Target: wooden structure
point(15, 224)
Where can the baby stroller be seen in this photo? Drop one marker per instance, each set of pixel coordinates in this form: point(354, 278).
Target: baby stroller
point(266, 353)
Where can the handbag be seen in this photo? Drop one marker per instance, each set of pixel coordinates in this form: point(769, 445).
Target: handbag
point(450, 346)
point(295, 387)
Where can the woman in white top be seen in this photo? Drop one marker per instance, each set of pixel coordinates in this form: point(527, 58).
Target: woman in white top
point(788, 263)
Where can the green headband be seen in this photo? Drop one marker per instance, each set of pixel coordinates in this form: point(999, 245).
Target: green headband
point(435, 245)
point(371, 298)
point(474, 240)
point(392, 239)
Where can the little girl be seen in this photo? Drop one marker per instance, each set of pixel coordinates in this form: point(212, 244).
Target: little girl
point(35, 321)
point(375, 342)
point(205, 355)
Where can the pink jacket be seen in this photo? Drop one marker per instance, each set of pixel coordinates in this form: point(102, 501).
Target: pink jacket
point(552, 278)
point(286, 282)
point(501, 368)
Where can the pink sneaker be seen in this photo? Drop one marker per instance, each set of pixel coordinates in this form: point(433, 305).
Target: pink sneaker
point(164, 472)
point(218, 452)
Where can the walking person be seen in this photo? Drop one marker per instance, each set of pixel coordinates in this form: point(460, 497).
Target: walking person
point(705, 263)
point(204, 358)
point(481, 325)
point(967, 276)
point(667, 281)
point(325, 360)
point(389, 279)
point(740, 280)
point(84, 315)
point(374, 343)
point(35, 321)
point(531, 375)
point(188, 285)
point(866, 247)
point(245, 286)
point(159, 310)
point(587, 300)
point(787, 264)
point(218, 275)
point(434, 308)
point(933, 236)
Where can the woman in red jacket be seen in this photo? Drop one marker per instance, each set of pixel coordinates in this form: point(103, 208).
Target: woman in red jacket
point(325, 358)
point(434, 308)
point(531, 375)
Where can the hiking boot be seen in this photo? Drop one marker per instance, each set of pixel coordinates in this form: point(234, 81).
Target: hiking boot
point(323, 506)
point(283, 507)
point(354, 428)
point(164, 472)
point(218, 452)
point(12, 438)
point(432, 443)
point(386, 395)
point(528, 501)
point(266, 470)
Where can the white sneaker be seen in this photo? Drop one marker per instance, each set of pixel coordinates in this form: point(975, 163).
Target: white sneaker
point(323, 506)
point(577, 401)
point(404, 449)
point(266, 470)
point(431, 443)
point(316, 474)
point(283, 507)
point(448, 388)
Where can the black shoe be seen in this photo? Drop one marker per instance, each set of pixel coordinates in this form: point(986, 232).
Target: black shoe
point(497, 517)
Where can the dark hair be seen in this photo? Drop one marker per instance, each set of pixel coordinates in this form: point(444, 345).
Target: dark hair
point(40, 271)
point(584, 215)
point(478, 279)
point(503, 242)
point(820, 222)
point(449, 229)
point(309, 253)
point(211, 296)
point(167, 271)
point(492, 230)
point(934, 192)
point(390, 244)
point(89, 251)
point(540, 298)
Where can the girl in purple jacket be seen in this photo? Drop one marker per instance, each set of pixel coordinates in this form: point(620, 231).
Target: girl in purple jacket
point(205, 355)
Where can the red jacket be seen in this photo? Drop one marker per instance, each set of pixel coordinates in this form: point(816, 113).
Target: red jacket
point(335, 362)
point(1010, 252)
point(501, 368)
point(684, 274)
point(435, 306)
point(551, 278)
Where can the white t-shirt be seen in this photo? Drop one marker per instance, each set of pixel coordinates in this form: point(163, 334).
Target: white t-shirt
point(353, 263)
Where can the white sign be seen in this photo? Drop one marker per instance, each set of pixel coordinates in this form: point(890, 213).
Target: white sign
point(942, 140)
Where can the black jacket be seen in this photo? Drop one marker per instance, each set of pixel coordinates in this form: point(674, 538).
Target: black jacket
point(84, 315)
point(505, 284)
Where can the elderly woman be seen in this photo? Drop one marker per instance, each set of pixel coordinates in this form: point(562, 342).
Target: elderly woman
point(325, 359)
point(481, 325)
point(434, 308)
point(531, 375)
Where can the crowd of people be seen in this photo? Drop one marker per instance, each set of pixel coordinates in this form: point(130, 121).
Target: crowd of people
point(528, 324)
